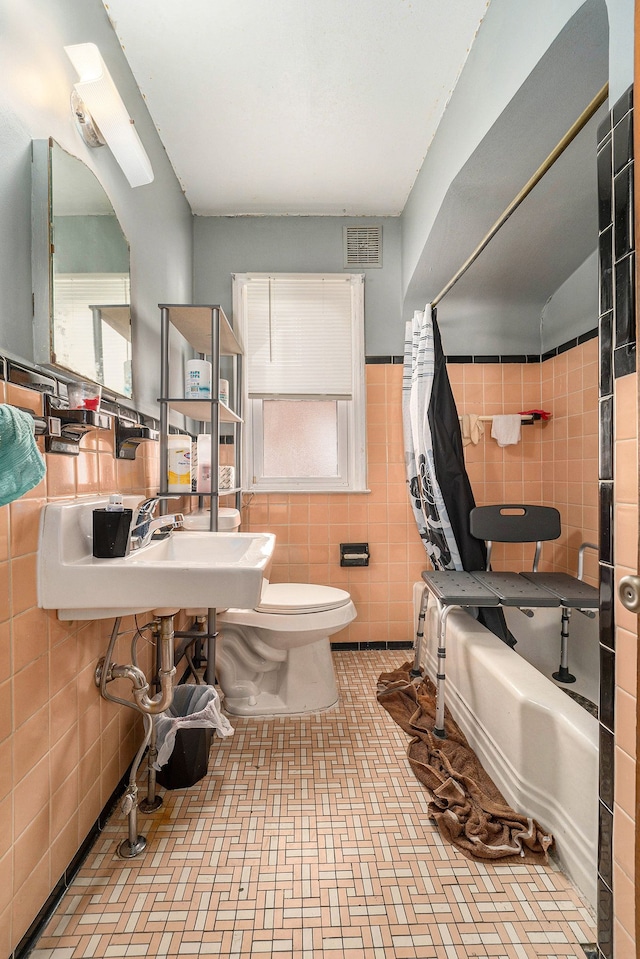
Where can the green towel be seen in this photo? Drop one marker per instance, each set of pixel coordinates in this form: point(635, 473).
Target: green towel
point(21, 463)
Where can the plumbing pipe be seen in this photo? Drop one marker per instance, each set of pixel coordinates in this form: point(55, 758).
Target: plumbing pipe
point(106, 671)
point(152, 801)
point(134, 844)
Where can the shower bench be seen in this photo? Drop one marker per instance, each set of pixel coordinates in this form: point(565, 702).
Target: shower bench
point(452, 589)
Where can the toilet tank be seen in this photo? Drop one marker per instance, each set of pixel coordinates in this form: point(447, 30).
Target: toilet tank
point(228, 520)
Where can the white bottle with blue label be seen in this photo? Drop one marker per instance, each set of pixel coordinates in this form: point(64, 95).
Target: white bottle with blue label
point(197, 380)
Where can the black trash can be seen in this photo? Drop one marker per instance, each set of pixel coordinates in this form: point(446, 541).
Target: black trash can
point(189, 760)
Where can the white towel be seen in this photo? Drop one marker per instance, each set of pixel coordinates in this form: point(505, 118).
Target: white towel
point(472, 428)
point(506, 429)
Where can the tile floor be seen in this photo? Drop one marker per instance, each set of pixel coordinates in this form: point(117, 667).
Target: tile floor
point(309, 838)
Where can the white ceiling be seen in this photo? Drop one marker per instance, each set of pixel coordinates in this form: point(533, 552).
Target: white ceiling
point(307, 107)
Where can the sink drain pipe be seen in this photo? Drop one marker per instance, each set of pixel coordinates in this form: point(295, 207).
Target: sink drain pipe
point(148, 706)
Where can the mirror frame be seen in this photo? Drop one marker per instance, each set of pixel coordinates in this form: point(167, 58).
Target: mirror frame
point(42, 260)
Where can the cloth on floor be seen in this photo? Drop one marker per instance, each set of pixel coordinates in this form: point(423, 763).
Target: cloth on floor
point(505, 430)
point(465, 803)
point(21, 463)
point(472, 429)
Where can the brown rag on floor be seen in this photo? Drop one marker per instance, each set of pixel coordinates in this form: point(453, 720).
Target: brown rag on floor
point(465, 803)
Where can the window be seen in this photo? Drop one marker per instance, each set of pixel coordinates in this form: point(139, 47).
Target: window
point(304, 396)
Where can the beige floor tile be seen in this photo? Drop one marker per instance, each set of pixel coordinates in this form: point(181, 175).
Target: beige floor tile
point(310, 838)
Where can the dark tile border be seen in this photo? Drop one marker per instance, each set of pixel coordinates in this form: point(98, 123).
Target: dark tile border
point(528, 357)
point(373, 644)
point(384, 360)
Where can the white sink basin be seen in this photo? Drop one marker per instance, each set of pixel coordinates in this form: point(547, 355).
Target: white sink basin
point(190, 568)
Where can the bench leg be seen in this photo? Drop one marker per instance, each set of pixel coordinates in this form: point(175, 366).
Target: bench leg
point(438, 729)
point(563, 675)
point(417, 658)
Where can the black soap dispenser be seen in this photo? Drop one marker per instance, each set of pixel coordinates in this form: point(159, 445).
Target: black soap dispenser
point(111, 527)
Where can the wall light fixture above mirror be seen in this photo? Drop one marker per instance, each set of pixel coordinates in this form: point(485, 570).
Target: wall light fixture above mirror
point(81, 275)
point(102, 116)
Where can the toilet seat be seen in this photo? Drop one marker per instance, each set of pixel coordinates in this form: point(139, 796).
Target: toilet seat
point(298, 598)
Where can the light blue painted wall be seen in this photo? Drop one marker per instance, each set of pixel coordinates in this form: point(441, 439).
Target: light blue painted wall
point(291, 244)
point(573, 308)
point(34, 104)
point(37, 78)
point(512, 38)
point(621, 24)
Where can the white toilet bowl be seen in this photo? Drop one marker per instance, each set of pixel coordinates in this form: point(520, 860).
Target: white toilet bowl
point(276, 659)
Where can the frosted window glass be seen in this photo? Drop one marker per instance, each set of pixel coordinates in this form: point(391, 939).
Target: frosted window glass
point(300, 438)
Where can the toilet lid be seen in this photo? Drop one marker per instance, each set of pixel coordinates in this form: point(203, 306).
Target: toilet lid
point(300, 598)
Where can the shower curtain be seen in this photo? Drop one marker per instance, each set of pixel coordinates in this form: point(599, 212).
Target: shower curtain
point(439, 488)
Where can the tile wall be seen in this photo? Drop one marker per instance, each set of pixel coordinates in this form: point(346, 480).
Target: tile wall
point(619, 783)
point(310, 527)
point(618, 507)
point(555, 463)
point(63, 750)
point(67, 749)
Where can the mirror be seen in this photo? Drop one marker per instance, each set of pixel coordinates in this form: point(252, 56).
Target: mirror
point(81, 276)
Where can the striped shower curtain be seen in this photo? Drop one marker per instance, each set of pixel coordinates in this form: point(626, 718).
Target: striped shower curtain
point(428, 505)
point(439, 488)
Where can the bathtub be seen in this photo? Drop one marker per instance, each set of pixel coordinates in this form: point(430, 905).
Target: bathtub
point(539, 746)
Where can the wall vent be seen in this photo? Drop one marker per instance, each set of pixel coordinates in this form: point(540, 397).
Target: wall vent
point(362, 246)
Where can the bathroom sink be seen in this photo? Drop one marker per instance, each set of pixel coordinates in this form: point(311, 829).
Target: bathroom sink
point(189, 568)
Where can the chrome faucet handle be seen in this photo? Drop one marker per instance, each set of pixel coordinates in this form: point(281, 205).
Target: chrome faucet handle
point(141, 524)
point(148, 505)
point(146, 508)
point(158, 528)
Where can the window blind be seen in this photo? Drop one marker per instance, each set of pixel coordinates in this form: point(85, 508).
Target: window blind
point(299, 338)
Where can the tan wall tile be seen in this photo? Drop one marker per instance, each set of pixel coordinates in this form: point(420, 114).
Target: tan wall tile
point(30, 637)
point(624, 840)
point(625, 782)
point(31, 744)
point(23, 583)
point(25, 906)
point(30, 690)
point(25, 521)
point(31, 796)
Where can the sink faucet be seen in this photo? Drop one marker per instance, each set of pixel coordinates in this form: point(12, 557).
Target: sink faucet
point(144, 526)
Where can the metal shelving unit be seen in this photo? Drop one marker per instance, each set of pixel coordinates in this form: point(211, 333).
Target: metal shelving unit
point(209, 333)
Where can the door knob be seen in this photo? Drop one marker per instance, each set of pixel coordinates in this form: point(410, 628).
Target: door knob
point(629, 593)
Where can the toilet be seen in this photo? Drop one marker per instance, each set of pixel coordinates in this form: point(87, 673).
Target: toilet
point(275, 659)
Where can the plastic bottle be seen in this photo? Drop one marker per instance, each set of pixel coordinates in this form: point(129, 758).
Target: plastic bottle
point(115, 503)
point(179, 463)
point(203, 480)
point(197, 385)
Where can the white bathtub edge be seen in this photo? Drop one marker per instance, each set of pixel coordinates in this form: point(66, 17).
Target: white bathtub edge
point(528, 734)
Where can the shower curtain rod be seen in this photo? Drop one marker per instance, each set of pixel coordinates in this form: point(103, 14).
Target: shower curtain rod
point(570, 135)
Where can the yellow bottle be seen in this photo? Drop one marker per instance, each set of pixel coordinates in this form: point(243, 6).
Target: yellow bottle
point(179, 463)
